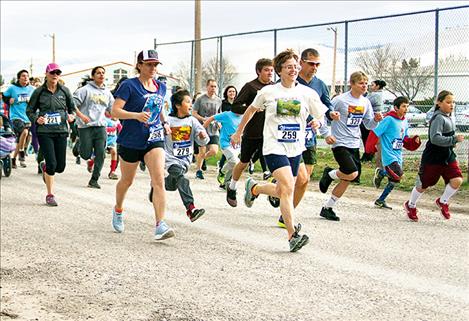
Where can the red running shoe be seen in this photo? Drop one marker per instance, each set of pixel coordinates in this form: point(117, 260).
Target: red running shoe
point(444, 209)
point(411, 212)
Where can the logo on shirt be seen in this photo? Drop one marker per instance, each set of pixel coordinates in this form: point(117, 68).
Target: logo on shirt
point(288, 107)
point(181, 133)
point(153, 105)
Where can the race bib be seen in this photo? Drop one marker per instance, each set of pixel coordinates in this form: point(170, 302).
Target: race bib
point(309, 137)
point(23, 98)
point(397, 143)
point(354, 120)
point(156, 134)
point(288, 133)
point(182, 149)
point(52, 119)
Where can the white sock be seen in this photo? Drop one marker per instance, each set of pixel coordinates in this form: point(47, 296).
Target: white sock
point(414, 197)
point(233, 185)
point(333, 174)
point(449, 191)
point(331, 201)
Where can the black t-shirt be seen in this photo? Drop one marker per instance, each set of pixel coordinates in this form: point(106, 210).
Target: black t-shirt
point(255, 127)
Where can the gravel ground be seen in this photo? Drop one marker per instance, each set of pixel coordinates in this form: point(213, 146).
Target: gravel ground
point(66, 263)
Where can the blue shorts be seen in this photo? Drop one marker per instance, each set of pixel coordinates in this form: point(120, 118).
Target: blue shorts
point(275, 162)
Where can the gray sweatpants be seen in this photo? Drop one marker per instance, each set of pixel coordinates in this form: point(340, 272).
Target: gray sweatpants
point(93, 140)
point(231, 155)
point(177, 181)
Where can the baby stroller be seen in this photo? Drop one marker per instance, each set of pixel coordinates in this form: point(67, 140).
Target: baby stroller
point(7, 145)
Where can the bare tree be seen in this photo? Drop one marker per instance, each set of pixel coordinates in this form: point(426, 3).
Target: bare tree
point(404, 77)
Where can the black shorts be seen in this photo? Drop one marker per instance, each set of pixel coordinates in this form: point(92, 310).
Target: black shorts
point(275, 162)
point(348, 160)
point(309, 156)
point(18, 126)
point(394, 172)
point(249, 147)
point(131, 155)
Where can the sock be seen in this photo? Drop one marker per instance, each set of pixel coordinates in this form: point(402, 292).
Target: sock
point(190, 207)
point(389, 187)
point(113, 165)
point(382, 172)
point(449, 191)
point(333, 174)
point(91, 162)
point(414, 197)
point(331, 202)
point(254, 190)
point(233, 185)
point(118, 210)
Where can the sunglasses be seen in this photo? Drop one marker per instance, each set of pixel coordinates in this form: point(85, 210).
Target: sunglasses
point(56, 72)
point(312, 63)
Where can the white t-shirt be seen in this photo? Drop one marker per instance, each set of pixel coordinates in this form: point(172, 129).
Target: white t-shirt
point(286, 110)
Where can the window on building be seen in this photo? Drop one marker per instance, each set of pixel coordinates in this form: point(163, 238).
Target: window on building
point(118, 74)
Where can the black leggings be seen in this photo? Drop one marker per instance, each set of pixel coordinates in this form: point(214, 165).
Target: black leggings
point(54, 148)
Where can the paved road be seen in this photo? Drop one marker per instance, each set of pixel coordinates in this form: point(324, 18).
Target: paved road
point(66, 263)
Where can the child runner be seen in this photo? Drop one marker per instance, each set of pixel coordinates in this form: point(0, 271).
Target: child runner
point(438, 158)
point(185, 129)
point(287, 105)
point(113, 127)
point(392, 132)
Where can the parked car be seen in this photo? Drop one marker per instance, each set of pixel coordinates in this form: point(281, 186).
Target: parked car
point(462, 117)
point(415, 116)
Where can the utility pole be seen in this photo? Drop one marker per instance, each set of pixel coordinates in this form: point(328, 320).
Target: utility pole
point(31, 67)
point(198, 48)
point(53, 45)
point(334, 60)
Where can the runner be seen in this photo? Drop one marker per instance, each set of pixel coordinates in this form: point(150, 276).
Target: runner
point(253, 133)
point(18, 96)
point(113, 127)
point(353, 109)
point(185, 129)
point(50, 107)
point(92, 102)
point(139, 102)
point(438, 158)
point(205, 106)
point(286, 105)
point(392, 133)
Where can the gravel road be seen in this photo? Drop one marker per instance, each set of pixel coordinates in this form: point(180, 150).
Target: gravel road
point(66, 263)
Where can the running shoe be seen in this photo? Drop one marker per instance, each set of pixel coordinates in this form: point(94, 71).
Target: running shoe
point(382, 204)
point(222, 186)
point(42, 165)
point(249, 198)
point(199, 174)
point(266, 175)
point(329, 214)
point(326, 180)
point(377, 177)
point(78, 160)
point(50, 200)
point(281, 223)
point(195, 213)
point(76, 149)
point(274, 201)
point(163, 231)
point(204, 165)
point(297, 241)
point(444, 209)
point(89, 165)
point(142, 166)
point(13, 163)
point(112, 175)
point(411, 212)
point(93, 184)
point(117, 221)
point(221, 178)
point(251, 168)
point(231, 196)
point(22, 160)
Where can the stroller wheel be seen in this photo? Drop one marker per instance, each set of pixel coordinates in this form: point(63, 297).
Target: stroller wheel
point(7, 166)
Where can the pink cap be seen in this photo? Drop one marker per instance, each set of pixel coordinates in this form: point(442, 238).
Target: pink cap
point(52, 66)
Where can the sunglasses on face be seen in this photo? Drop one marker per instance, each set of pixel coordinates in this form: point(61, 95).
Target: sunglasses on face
point(56, 72)
point(312, 63)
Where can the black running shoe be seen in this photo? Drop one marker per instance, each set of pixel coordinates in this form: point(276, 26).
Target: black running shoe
point(326, 180)
point(329, 214)
point(231, 197)
point(204, 165)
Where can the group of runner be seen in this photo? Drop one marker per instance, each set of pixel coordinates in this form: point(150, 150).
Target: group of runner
point(275, 122)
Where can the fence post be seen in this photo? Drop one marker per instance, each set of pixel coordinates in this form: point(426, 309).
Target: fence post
point(346, 56)
point(437, 31)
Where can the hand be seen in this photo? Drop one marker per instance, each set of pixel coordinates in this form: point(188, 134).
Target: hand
point(459, 138)
point(142, 117)
point(335, 115)
point(71, 118)
point(85, 119)
point(235, 139)
point(417, 140)
point(206, 123)
point(203, 134)
point(330, 140)
point(378, 116)
point(167, 129)
point(40, 120)
point(12, 101)
point(315, 124)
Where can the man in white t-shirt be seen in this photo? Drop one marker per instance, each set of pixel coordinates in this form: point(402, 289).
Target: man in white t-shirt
point(287, 104)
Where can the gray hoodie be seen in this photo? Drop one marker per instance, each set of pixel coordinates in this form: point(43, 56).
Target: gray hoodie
point(93, 101)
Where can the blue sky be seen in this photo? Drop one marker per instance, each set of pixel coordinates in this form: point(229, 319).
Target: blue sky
point(91, 32)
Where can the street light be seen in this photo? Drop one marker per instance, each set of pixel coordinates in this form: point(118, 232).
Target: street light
point(334, 59)
point(53, 45)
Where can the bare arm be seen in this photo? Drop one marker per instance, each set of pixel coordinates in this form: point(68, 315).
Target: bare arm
point(236, 137)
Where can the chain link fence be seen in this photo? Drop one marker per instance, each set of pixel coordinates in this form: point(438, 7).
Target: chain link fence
point(418, 54)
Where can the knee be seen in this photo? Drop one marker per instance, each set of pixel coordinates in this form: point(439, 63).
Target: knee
point(350, 177)
point(455, 182)
point(285, 190)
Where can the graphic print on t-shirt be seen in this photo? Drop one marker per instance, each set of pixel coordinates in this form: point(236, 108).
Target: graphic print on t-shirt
point(182, 145)
point(153, 105)
point(288, 107)
point(355, 115)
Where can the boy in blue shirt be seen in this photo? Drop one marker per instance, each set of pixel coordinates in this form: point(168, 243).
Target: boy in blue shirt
point(229, 122)
point(392, 133)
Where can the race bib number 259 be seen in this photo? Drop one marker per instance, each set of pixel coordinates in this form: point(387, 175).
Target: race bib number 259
point(288, 133)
